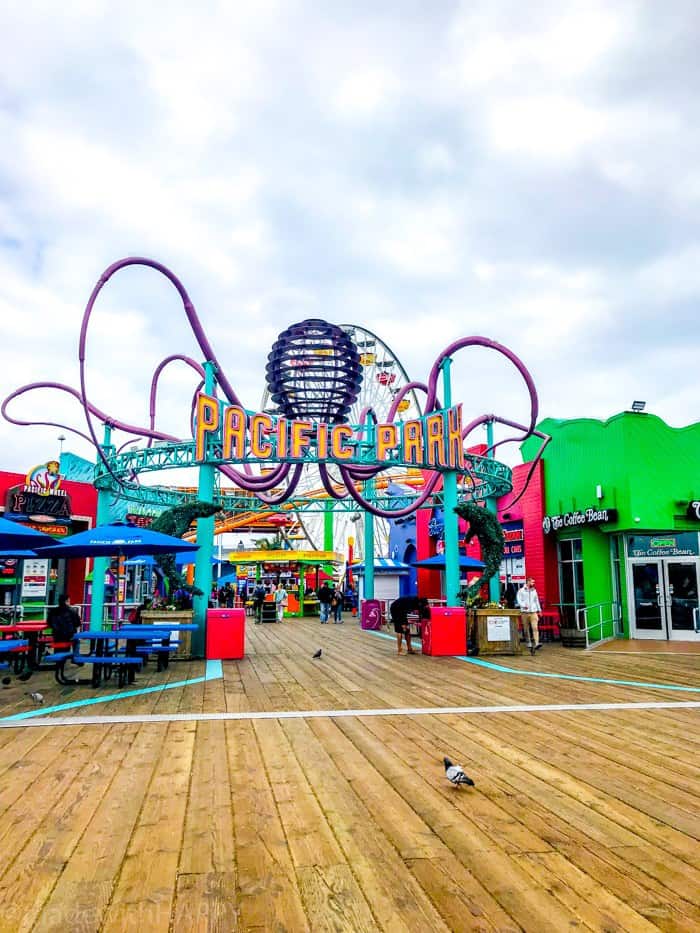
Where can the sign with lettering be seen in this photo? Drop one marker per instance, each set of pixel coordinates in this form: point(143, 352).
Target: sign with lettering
point(513, 563)
point(693, 510)
point(35, 579)
point(9, 567)
point(672, 544)
point(230, 434)
point(41, 499)
point(578, 519)
point(498, 628)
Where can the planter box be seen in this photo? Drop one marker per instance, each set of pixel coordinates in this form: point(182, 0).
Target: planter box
point(496, 630)
point(177, 616)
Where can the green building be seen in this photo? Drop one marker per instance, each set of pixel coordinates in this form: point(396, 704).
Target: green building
point(621, 521)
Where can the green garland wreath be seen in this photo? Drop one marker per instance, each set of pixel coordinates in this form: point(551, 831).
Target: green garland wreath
point(175, 522)
point(485, 526)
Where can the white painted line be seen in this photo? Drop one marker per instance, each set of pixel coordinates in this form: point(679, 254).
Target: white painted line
point(338, 713)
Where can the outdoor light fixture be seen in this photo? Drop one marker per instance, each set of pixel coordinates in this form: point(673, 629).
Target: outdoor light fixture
point(638, 406)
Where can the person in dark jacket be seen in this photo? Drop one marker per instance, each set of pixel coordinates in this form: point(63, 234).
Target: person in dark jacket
point(63, 619)
point(399, 611)
point(325, 597)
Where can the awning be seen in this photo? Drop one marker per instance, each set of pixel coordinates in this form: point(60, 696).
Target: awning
point(383, 565)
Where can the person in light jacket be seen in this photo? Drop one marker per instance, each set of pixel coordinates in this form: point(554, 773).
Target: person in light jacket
point(529, 605)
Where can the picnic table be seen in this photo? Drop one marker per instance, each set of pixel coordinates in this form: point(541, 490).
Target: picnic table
point(104, 655)
point(8, 650)
point(31, 631)
point(144, 640)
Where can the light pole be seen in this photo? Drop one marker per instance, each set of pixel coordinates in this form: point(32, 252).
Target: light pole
point(61, 439)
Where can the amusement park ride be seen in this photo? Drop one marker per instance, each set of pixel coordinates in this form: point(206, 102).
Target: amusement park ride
point(341, 427)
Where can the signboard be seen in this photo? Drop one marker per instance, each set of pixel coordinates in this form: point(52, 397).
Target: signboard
point(140, 520)
point(41, 498)
point(230, 434)
point(578, 518)
point(693, 510)
point(671, 544)
point(35, 579)
point(9, 567)
point(513, 563)
point(498, 628)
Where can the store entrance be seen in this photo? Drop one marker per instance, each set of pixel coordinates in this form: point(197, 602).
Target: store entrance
point(665, 599)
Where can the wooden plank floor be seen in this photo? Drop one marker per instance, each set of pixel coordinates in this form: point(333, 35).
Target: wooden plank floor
point(579, 819)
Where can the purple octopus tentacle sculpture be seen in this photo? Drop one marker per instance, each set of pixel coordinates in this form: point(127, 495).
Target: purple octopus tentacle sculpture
point(314, 372)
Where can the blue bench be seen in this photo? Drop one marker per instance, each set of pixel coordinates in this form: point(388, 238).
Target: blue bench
point(161, 651)
point(122, 663)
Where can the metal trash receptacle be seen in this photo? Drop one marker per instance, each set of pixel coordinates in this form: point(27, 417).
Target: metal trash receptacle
point(445, 632)
point(225, 634)
point(371, 614)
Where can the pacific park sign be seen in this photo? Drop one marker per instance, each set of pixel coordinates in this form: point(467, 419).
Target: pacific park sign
point(230, 434)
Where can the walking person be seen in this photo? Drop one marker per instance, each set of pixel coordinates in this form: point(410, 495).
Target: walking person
point(280, 601)
point(399, 611)
point(258, 600)
point(529, 606)
point(337, 606)
point(325, 597)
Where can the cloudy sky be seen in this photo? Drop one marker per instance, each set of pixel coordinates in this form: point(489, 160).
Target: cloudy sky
point(428, 170)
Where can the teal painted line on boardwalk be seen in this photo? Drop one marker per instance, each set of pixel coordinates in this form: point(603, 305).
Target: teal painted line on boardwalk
point(213, 671)
point(580, 677)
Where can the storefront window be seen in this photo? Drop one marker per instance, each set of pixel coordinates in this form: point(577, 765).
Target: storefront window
point(571, 579)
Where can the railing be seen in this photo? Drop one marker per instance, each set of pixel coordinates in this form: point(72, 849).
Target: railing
point(15, 614)
point(606, 613)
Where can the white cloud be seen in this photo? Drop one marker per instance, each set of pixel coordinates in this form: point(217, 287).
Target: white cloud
point(547, 126)
point(365, 93)
point(524, 171)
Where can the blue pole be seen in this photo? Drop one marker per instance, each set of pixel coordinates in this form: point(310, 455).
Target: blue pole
point(450, 504)
point(492, 506)
point(100, 565)
point(205, 539)
point(369, 543)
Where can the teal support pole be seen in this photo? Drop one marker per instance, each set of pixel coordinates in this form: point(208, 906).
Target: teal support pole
point(205, 539)
point(100, 565)
point(491, 505)
point(452, 575)
point(328, 526)
point(369, 544)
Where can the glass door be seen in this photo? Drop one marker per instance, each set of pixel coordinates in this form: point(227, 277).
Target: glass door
point(648, 600)
point(681, 599)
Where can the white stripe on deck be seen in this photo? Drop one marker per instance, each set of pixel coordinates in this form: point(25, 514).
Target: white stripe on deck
point(339, 713)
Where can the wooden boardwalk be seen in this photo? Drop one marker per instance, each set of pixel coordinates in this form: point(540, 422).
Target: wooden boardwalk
point(580, 818)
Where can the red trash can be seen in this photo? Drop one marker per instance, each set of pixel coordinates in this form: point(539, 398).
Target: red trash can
point(445, 632)
point(225, 634)
point(371, 614)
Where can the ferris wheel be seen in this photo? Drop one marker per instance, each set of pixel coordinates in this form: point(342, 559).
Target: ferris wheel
point(383, 377)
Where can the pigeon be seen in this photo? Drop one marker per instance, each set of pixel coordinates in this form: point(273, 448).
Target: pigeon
point(455, 774)
point(37, 697)
point(318, 654)
point(24, 676)
point(6, 681)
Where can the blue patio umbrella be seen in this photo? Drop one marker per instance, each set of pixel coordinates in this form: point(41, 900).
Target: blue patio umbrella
point(117, 539)
point(17, 537)
point(182, 560)
point(18, 555)
point(142, 561)
point(437, 562)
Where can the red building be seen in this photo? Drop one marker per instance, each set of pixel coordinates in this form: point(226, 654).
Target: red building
point(43, 500)
point(527, 549)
